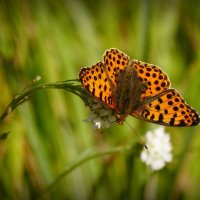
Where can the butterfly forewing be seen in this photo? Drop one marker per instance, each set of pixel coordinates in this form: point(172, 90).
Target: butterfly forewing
point(115, 61)
point(156, 80)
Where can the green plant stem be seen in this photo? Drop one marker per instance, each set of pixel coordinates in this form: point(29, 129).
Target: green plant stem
point(29, 91)
point(86, 156)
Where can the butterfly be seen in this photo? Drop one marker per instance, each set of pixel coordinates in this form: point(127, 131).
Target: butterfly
point(131, 87)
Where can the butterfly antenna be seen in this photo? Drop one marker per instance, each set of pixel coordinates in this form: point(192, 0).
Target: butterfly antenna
point(138, 135)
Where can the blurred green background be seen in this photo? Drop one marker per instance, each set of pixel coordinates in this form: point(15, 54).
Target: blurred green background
point(54, 39)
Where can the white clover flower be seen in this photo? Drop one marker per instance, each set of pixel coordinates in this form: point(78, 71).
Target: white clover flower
point(100, 117)
point(159, 149)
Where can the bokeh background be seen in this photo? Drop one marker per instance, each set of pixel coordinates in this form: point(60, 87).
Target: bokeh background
point(54, 39)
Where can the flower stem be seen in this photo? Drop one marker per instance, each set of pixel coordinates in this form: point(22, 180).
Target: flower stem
point(86, 156)
point(29, 91)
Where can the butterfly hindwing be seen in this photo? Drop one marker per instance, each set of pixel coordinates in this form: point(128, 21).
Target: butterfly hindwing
point(167, 109)
point(95, 80)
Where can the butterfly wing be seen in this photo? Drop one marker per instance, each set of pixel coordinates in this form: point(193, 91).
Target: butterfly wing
point(97, 83)
point(155, 79)
point(169, 109)
point(115, 61)
point(100, 79)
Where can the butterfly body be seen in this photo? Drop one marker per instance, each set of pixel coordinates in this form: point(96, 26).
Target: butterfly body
point(127, 93)
point(142, 90)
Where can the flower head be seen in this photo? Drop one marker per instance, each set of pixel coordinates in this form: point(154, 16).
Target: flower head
point(159, 149)
point(100, 117)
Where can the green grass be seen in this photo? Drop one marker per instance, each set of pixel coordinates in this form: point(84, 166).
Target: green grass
point(54, 39)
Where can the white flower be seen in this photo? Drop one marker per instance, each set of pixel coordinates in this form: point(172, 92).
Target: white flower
point(37, 78)
point(100, 117)
point(159, 149)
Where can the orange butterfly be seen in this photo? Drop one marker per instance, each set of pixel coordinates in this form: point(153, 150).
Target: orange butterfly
point(132, 87)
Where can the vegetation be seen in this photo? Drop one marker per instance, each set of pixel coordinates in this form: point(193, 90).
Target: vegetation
point(50, 152)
